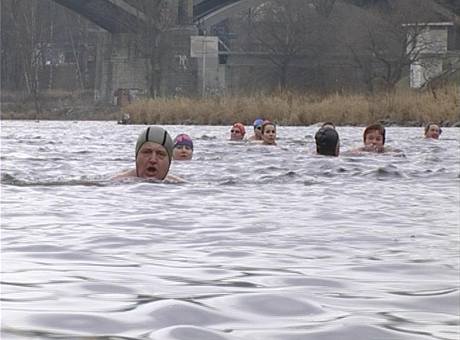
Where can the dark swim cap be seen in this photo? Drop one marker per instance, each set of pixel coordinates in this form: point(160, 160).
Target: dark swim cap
point(155, 134)
point(327, 140)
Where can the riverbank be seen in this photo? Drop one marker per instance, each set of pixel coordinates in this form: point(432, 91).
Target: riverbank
point(404, 108)
point(57, 105)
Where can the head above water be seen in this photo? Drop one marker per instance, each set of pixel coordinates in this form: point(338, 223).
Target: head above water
point(258, 123)
point(154, 150)
point(432, 130)
point(237, 131)
point(374, 127)
point(269, 132)
point(183, 139)
point(327, 141)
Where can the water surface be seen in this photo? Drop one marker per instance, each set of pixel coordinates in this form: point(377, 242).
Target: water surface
point(261, 242)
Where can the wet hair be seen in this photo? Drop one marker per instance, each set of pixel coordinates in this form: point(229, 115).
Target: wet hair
point(327, 140)
point(427, 127)
point(157, 135)
point(267, 122)
point(183, 139)
point(374, 127)
point(328, 123)
point(240, 127)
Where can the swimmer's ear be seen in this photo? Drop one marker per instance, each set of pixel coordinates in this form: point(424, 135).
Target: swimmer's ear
point(440, 130)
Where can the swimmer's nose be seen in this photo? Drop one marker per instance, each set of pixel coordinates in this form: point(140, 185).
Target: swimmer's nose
point(153, 157)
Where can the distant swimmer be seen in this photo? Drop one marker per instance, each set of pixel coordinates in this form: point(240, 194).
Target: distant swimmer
point(257, 136)
point(237, 131)
point(374, 140)
point(327, 141)
point(269, 133)
point(183, 147)
point(432, 130)
point(153, 153)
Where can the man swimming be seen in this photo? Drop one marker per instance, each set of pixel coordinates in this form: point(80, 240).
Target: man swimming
point(153, 153)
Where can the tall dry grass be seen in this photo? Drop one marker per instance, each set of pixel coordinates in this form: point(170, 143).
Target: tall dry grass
point(405, 107)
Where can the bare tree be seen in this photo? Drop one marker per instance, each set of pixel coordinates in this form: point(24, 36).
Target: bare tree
point(286, 31)
point(158, 17)
point(393, 40)
point(28, 30)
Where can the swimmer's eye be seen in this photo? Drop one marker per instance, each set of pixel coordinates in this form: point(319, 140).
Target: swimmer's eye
point(180, 147)
point(161, 154)
point(235, 131)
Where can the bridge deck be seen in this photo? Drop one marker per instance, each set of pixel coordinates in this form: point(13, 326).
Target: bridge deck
point(123, 16)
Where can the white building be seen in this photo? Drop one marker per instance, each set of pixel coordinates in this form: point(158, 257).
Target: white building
point(430, 50)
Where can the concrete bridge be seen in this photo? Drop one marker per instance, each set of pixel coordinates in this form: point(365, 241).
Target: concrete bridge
point(119, 65)
point(126, 16)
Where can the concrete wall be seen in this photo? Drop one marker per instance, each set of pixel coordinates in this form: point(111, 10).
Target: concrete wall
point(120, 65)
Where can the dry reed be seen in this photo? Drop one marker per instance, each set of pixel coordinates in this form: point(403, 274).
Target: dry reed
point(404, 107)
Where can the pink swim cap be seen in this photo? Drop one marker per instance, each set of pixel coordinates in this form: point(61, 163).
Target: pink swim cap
point(240, 127)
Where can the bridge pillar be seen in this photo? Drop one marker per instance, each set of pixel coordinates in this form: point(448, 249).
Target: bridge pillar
point(180, 70)
point(120, 65)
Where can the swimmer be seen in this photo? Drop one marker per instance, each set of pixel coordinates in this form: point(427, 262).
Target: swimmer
point(183, 147)
point(153, 153)
point(237, 132)
point(327, 141)
point(268, 133)
point(257, 130)
point(374, 140)
point(432, 130)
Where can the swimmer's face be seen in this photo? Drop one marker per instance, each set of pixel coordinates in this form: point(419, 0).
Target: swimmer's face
point(374, 138)
point(433, 131)
point(152, 161)
point(269, 134)
point(235, 134)
point(182, 152)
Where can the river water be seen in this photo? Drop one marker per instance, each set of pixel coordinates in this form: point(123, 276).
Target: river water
point(261, 243)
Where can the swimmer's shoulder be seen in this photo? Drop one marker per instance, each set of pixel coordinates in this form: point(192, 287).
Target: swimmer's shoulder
point(174, 179)
point(125, 174)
